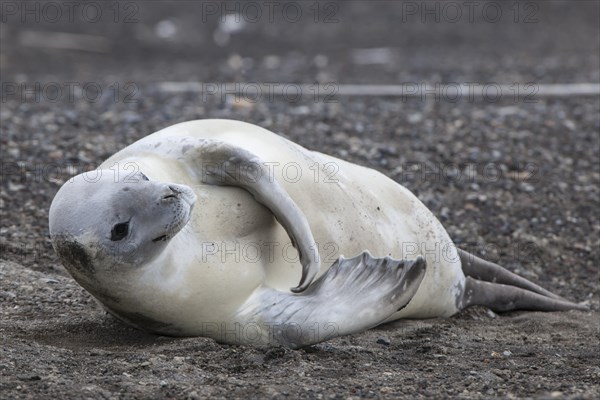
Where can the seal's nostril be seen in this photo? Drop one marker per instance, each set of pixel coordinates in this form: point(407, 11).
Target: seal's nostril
point(173, 195)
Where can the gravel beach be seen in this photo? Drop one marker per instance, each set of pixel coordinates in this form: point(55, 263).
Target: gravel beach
point(471, 121)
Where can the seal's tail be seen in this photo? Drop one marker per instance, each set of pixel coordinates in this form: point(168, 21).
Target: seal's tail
point(493, 286)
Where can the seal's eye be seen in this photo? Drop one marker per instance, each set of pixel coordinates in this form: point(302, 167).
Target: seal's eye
point(144, 177)
point(119, 231)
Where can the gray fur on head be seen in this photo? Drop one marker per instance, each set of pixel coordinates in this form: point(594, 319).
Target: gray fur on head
point(98, 220)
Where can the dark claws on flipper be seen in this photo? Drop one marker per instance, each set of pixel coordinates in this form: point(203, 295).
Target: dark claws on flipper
point(308, 275)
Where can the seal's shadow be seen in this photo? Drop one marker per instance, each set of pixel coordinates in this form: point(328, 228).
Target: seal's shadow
point(84, 334)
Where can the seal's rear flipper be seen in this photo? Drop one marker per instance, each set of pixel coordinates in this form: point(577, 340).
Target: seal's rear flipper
point(353, 295)
point(483, 270)
point(502, 298)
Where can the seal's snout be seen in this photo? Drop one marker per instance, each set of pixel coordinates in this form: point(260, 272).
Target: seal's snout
point(172, 192)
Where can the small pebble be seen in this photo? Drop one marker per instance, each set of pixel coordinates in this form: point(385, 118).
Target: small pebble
point(384, 340)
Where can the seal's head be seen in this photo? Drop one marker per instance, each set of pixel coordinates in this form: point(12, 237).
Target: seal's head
point(113, 221)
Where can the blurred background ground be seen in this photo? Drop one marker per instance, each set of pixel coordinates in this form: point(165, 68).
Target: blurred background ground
point(513, 175)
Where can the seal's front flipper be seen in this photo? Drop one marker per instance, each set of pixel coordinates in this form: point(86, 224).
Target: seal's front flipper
point(235, 166)
point(353, 295)
point(223, 164)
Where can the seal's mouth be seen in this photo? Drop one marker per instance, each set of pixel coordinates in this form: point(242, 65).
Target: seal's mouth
point(176, 226)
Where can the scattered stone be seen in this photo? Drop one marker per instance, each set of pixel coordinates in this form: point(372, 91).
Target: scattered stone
point(384, 340)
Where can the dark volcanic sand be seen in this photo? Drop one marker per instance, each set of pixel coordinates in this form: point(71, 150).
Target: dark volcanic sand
point(534, 209)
